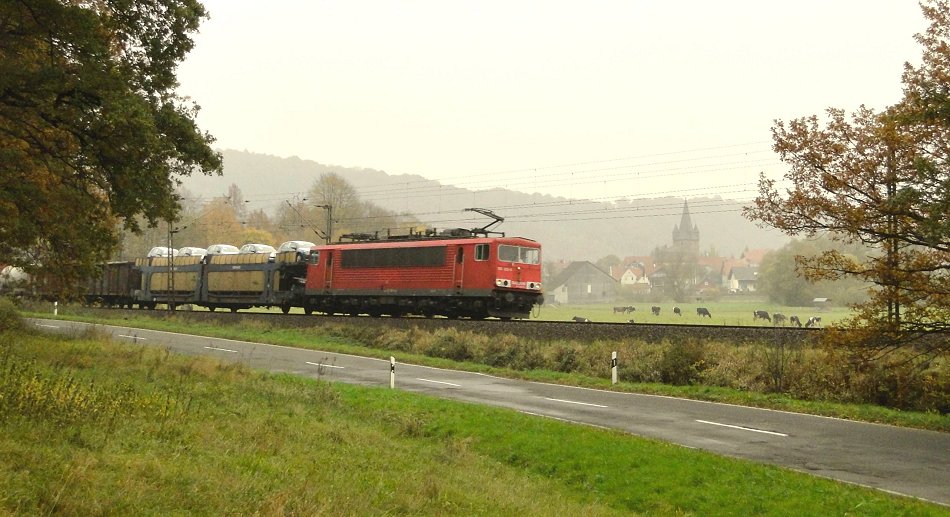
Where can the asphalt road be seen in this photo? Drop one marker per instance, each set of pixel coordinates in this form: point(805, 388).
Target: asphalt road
point(904, 461)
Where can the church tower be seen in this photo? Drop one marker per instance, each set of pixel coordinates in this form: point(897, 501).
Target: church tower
point(686, 234)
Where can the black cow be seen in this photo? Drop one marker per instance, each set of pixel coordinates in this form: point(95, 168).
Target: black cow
point(778, 319)
point(623, 310)
point(761, 315)
point(677, 311)
point(631, 321)
point(814, 321)
point(702, 311)
point(793, 320)
point(581, 319)
point(655, 310)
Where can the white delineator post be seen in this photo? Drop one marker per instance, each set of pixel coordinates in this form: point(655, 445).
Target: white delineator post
point(613, 367)
point(55, 308)
point(392, 372)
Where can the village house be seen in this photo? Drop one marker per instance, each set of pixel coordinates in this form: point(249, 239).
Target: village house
point(743, 279)
point(582, 282)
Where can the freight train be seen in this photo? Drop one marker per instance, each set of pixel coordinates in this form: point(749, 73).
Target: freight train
point(456, 273)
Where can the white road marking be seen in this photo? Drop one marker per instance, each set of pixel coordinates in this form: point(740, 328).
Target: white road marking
point(131, 337)
point(742, 428)
point(439, 382)
point(221, 349)
point(575, 402)
point(324, 365)
point(47, 326)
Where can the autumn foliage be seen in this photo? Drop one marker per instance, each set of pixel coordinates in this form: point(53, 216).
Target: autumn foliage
point(92, 132)
point(881, 179)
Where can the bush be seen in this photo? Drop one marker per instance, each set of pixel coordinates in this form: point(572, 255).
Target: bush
point(564, 358)
point(9, 316)
point(640, 362)
point(396, 340)
point(732, 366)
point(683, 363)
point(778, 362)
point(830, 373)
point(904, 383)
point(527, 356)
point(449, 344)
point(497, 351)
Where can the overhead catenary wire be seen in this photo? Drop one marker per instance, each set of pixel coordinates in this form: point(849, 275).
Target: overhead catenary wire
point(573, 168)
point(560, 208)
point(578, 177)
point(573, 176)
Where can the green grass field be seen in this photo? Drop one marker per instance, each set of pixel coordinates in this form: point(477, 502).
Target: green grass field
point(92, 427)
point(724, 312)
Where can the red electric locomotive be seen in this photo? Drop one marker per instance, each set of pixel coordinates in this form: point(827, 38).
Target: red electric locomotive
point(460, 273)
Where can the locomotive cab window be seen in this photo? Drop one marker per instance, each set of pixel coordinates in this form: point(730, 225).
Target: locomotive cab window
point(519, 254)
point(315, 257)
point(481, 252)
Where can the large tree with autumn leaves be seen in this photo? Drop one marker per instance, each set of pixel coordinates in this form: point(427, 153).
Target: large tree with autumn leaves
point(92, 132)
point(882, 179)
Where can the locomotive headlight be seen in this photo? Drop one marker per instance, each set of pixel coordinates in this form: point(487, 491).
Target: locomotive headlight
point(502, 283)
point(534, 285)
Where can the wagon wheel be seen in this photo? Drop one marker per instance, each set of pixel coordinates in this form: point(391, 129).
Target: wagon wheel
point(285, 309)
point(234, 309)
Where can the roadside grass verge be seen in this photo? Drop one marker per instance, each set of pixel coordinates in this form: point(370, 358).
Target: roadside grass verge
point(88, 426)
point(348, 339)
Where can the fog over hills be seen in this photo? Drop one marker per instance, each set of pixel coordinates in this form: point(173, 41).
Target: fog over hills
point(568, 229)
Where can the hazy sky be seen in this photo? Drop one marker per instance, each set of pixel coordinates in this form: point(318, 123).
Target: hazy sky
point(600, 99)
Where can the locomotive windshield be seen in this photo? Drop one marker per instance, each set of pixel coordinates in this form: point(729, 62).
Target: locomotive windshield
point(519, 254)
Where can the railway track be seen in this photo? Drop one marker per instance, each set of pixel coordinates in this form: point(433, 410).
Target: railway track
point(536, 329)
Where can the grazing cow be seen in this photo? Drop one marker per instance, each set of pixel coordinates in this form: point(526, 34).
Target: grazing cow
point(655, 310)
point(624, 310)
point(814, 321)
point(631, 321)
point(793, 320)
point(761, 315)
point(702, 311)
point(677, 311)
point(581, 319)
point(778, 319)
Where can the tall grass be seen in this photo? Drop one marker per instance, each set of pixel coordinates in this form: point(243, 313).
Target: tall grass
point(805, 372)
point(196, 436)
point(775, 374)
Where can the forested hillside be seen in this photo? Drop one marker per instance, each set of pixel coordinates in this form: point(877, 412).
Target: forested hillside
point(569, 229)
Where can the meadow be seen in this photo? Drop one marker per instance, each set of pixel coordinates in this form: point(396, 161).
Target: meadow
point(726, 311)
point(88, 426)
